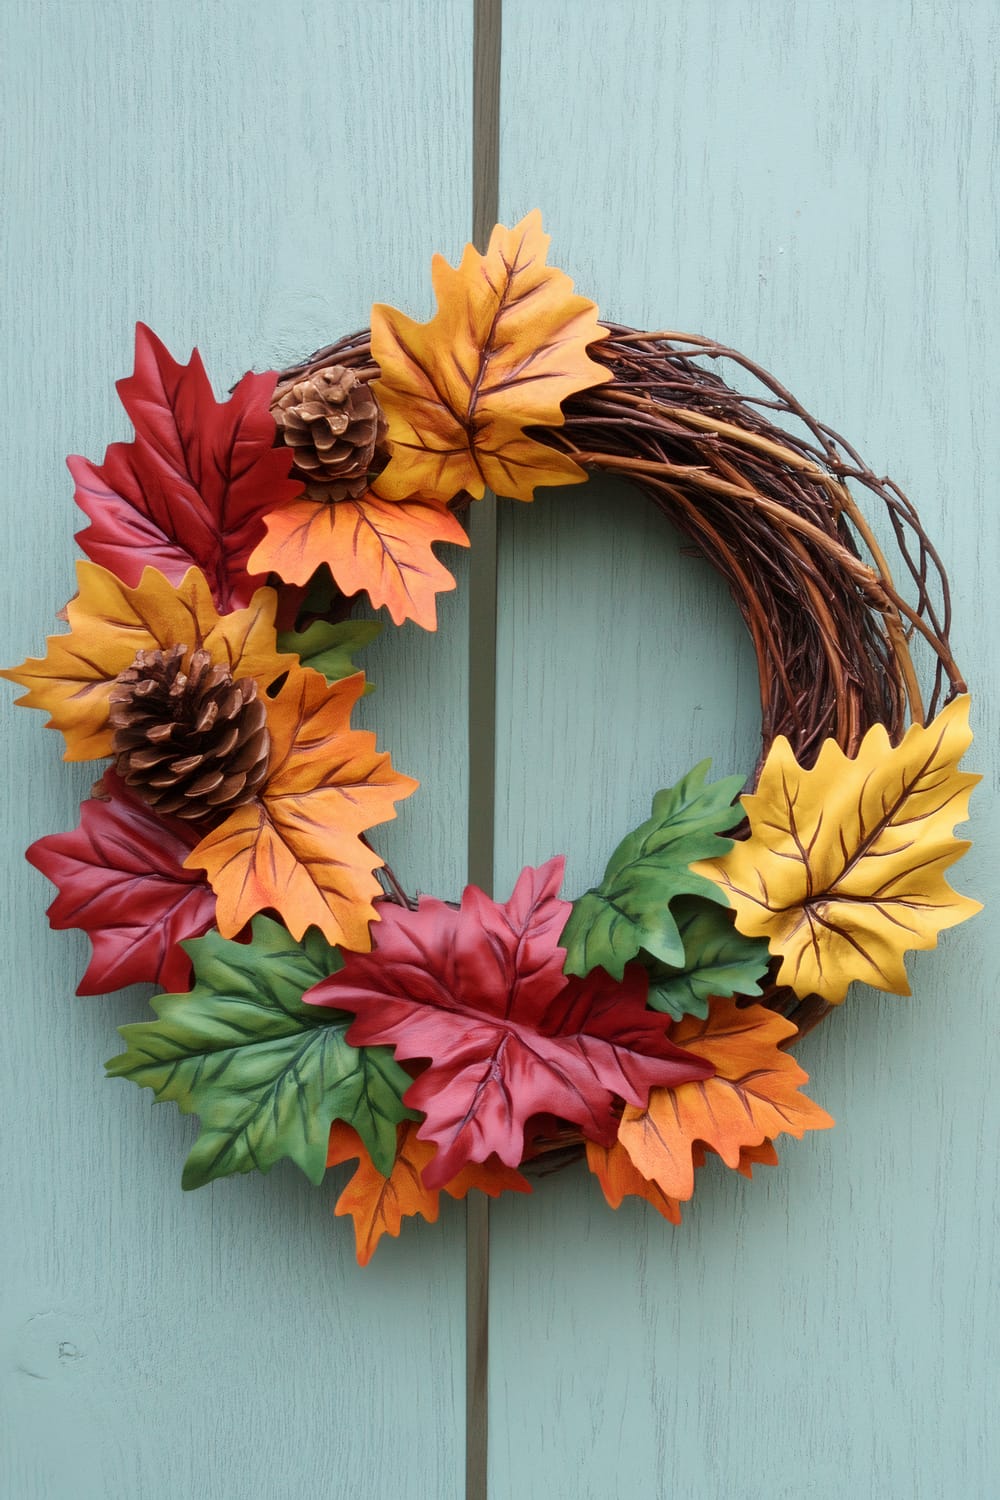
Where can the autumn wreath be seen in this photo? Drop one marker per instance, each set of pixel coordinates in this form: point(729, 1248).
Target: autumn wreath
point(313, 1010)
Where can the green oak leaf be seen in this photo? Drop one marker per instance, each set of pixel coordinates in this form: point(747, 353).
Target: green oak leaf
point(718, 961)
point(630, 909)
point(266, 1073)
point(329, 648)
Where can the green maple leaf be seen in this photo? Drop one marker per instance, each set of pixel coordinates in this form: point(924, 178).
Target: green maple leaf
point(630, 909)
point(330, 648)
point(266, 1073)
point(718, 961)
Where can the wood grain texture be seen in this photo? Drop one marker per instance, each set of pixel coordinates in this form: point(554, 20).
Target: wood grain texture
point(248, 176)
point(816, 185)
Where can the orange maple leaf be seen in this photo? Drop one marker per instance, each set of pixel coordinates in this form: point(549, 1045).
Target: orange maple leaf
point(619, 1179)
point(753, 1097)
point(506, 347)
point(110, 622)
point(296, 847)
point(378, 1205)
point(381, 546)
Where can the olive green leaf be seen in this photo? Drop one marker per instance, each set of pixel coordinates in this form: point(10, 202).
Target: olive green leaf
point(718, 961)
point(630, 909)
point(266, 1073)
point(329, 649)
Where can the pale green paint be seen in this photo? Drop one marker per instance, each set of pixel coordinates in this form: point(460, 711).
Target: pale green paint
point(814, 183)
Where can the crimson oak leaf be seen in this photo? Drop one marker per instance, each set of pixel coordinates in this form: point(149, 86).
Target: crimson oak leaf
point(480, 992)
point(194, 485)
point(122, 881)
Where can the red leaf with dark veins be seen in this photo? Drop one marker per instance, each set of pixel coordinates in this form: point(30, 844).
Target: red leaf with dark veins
point(121, 880)
point(195, 484)
point(480, 992)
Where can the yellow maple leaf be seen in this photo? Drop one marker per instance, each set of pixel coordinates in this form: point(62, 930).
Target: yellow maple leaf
point(110, 622)
point(297, 846)
point(506, 347)
point(843, 871)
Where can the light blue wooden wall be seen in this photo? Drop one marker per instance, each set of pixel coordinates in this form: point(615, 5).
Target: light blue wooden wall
point(815, 183)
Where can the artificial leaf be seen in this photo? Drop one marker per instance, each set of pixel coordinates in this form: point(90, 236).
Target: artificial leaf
point(121, 880)
point(718, 960)
point(619, 1179)
point(383, 547)
point(266, 1074)
point(297, 847)
point(378, 1202)
point(481, 992)
point(843, 870)
point(751, 1096)
point(194, 485)
point(109, 622)
point(328, 649)
point(506, 347)
point(630, 909)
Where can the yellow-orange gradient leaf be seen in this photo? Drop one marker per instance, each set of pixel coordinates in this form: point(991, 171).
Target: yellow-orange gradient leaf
point(109, 623)
point(753, 1097)
point(297, 847)
point(378, 1205)
point(507, 345)
point(381, 546)
point(843, 871)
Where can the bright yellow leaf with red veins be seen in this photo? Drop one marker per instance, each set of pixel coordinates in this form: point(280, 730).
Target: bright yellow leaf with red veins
point(378, 1205)
point(297, 846)
point(507, 346)
point(383, 547)
point(110, 622)
point(843, 871)
point(753, 1097)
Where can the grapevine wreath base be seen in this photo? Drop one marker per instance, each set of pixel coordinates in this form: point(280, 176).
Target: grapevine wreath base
point(311, 1008)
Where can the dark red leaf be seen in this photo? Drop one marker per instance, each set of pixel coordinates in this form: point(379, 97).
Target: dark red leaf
point(195, 484)
point(121, 880)
point(480, 992)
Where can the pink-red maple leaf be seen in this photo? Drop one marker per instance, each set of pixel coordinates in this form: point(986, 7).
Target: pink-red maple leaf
point(194, 485)
point(122, 880)
point(480, 991)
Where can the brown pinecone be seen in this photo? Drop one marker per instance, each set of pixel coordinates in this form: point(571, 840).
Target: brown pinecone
point(333, 424)
point(192, 744)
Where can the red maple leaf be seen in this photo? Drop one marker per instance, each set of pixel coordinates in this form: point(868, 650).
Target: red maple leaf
point(121, 880)
point(194, 485)
point(480, 992)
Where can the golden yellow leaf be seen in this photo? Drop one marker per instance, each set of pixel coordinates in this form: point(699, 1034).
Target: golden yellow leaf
point(843, 871)
point(506, 347)
point(753, 1097)
point(297, 847)
point(110, 622)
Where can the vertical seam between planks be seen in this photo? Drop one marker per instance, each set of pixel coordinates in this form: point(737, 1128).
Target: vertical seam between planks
point(482, 671)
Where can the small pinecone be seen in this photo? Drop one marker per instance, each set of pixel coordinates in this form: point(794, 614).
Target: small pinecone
point(333, 424)
point(192, 744)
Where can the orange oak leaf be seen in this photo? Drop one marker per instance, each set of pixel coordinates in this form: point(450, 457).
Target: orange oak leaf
point(381, 546)
point(843, 871)
point(507, 345)
point(378, 1205)
point(296, 847)
point(753, 1097)
point(110, 622)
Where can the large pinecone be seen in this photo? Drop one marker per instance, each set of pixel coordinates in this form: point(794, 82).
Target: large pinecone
point(192, 744)
point(333, 424)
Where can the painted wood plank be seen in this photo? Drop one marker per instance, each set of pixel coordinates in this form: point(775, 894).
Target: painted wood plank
point(816, 185)
point(249, 177)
